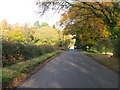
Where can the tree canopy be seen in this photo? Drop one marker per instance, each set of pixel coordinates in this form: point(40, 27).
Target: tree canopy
point(98, 16)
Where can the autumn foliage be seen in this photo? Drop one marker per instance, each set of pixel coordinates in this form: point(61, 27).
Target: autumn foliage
point(92, 23)
point(21, 43)
point(16, 52)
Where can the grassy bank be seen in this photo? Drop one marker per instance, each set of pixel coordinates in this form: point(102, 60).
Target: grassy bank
point(22, 68)
point(107, 60)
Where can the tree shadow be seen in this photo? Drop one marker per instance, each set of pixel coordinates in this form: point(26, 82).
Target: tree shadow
point(73, 70)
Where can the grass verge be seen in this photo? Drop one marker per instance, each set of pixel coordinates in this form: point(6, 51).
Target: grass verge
point(22, 68)
point(110, 62)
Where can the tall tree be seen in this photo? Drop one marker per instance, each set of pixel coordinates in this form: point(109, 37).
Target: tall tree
point(37, 24)
point(87, 32)
point(107, 12)
point(4, 28)
point(43, 24)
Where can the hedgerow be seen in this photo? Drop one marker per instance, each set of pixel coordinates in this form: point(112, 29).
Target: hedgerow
point(16, 52)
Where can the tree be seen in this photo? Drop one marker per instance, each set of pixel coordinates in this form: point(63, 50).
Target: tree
point(43, 24)
point(104, 45)
point(46, 35)
point(54, 26)
point(4, 28)
point(107, 12)
point(27, 32)
point(15, 36)
point(37, 24)
point(87, 32)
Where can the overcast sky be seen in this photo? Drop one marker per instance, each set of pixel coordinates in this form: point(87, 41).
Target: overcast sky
point(22, 11)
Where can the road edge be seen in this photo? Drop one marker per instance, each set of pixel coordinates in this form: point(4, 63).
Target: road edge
point(19, 80)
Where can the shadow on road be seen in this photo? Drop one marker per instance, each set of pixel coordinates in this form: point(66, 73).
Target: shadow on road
point(73, 70)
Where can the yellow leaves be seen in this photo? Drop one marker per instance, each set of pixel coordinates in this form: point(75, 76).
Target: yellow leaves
point(104, 33)
point(74, 9)
point(89, 42)
point(47, 35)
point(77, 3)
point(15, 35)
point(80, 36)
point(85, 38)
point(64, 17)
point(108, 3)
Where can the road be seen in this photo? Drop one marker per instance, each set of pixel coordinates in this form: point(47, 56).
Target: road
point(72, 69)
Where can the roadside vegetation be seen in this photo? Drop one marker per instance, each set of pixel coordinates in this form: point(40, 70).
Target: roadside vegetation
point(93, 26)
point(91, 23)
point(24, 47)
point(21, 43)
point(106, 59)
point(21, 69)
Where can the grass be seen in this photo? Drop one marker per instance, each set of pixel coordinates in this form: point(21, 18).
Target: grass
point(110, 62)
point(22, 68)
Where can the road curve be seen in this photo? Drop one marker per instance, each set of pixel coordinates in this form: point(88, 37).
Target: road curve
point(72, 69)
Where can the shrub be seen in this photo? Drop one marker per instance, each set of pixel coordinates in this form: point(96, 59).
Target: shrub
point(15, 52)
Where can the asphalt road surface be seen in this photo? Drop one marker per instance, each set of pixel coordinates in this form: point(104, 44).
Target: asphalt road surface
point(72, 69)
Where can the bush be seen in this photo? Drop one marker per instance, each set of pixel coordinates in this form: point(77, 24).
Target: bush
point(15, 52)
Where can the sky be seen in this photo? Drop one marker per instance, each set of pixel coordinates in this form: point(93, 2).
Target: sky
point(22, 11)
